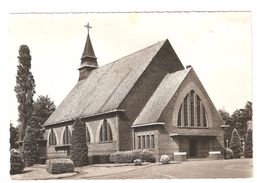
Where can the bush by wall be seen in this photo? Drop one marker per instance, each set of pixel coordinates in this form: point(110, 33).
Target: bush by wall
point(57, 166)
point(17, 164)
point(228, 153)
point(79, 150)
point(137, 162)
point(165, 159)
point(248, 147)
point(235, 144)
point(130, 156)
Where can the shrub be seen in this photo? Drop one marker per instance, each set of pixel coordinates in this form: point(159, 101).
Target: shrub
point(130, 156)
point(79, 149)
point(17, 164)
point(248, 146)
point(235, 144)
point(137, 162)
point(57, 166)
point(165, 159)
point(29, 151)
point(228, 153)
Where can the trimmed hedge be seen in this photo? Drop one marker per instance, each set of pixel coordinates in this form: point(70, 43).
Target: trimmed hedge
point(130, 156)
point(165, 159)
point(57, 166)
point(17, 164)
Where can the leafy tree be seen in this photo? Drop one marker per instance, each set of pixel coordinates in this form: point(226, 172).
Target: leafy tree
point(14, 132)
point(248, 147)
point(79, 151)
point(43, 108)
point(25, 88)
point(235, 144)
point(29, 151)
point(228, 121)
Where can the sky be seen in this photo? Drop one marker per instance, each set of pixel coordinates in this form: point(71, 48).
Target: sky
point(216, 44)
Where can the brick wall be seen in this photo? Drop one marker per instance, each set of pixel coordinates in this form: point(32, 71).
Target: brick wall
point(170, 114)
point(97, 151)
point(166, 61)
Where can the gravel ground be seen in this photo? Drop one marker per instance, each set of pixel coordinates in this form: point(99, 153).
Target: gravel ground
point(235, 168)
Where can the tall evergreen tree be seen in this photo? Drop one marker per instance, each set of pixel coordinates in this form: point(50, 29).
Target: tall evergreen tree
point(235, 144)
point(13, 137)
point(29, 151)
point(79, 149)
point(248, 147)
point(25, 88)
point(43, 107)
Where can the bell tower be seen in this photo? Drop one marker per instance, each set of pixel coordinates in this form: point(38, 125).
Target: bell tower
point(88, 59)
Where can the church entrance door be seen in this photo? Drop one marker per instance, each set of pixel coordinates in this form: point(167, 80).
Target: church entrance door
point(192, 147)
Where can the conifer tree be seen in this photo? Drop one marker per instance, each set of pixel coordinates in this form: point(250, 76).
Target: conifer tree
point(248, 147)
point(13, 137)
point(29, 151)
point(235, 144)
point(79, 151)
point(43, 107)
point(25, 88)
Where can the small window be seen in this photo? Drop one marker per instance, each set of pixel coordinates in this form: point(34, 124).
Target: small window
point(139, 142)
point(52, 138)
point(179, 116)
point(148, 141)
point(143, 142)
point(185, 111)
point(87, 135)
point(152, 141)
point(105, 132)
point(67, 136)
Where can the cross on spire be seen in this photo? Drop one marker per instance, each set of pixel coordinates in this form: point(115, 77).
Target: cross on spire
point(88, 27)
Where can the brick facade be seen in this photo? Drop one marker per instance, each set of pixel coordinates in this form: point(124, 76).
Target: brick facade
point(162, 138)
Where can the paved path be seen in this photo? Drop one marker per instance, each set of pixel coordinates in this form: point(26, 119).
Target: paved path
point(235, 168)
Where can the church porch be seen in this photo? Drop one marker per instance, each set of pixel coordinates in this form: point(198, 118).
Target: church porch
point(196, 146)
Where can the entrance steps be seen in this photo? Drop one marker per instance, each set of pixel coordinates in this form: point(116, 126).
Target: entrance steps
point(197, 159)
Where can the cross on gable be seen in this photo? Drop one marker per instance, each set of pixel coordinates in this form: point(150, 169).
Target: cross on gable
point(88, 27)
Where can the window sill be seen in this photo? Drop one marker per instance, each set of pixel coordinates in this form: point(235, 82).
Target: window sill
point(62, 147)
point(105, 142)
point(193, 127)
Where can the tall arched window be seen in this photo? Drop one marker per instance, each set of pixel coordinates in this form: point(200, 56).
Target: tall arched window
point(87, 135)
point(66, 136)
point(192, 111)
point(105, 132)
point(52, 138)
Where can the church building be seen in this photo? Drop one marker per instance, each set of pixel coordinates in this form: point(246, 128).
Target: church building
point(145, 100)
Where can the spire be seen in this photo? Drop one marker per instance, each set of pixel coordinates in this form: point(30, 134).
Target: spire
point(88, 59)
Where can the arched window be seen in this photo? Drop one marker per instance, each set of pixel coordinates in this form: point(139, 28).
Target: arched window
point(87, 135)
point(105, 132)
point(66, 136)
point(52, 138)
point(192, 111)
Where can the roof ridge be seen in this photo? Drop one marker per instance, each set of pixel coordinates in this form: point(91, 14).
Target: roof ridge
point(159, 42)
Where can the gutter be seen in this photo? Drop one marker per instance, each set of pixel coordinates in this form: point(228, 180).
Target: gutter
point(85, 116)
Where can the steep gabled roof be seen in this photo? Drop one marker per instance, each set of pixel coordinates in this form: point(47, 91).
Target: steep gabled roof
point(105, 88)
point(161, 97)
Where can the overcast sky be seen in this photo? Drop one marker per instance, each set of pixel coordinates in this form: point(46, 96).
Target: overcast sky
point(217, 45)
